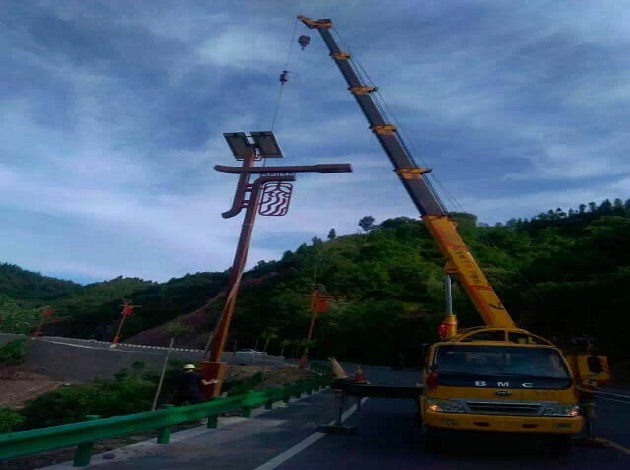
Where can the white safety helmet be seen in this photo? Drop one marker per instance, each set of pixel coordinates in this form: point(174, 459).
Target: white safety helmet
point(189, 366)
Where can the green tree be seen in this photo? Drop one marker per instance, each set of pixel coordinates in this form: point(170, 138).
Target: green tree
point(605, 207)
point(268, 334)
point(18, 319)
point(283, 344)
point(367, 223)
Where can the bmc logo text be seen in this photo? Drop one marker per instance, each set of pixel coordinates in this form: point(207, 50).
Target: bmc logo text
point(482, 383)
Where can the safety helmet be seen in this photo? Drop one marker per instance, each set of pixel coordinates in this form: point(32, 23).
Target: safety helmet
point(189, 366)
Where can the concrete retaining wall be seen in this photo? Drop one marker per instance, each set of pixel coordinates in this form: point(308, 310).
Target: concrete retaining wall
point(70, 359)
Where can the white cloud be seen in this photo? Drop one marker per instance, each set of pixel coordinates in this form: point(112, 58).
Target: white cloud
point(112, 152)
point(245, 47)
point(562, 161)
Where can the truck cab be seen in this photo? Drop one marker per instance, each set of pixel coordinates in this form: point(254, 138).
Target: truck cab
point(498, 380)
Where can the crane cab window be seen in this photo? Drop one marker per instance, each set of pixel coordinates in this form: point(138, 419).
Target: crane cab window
point(523, 338)
point(500, 361)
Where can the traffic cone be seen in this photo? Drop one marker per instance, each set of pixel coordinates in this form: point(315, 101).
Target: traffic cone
point(337, 370)
point(359, 376)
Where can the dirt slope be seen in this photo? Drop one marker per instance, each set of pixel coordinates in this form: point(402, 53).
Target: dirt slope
point(18, 386)
point(197, 319)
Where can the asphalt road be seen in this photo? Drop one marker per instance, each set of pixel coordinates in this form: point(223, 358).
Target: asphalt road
point(194, 354)
point(387, 437)
point(613, 416)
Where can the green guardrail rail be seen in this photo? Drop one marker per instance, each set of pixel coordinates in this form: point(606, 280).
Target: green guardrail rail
point(85, 433)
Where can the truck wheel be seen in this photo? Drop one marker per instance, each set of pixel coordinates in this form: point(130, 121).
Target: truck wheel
point(432, 440)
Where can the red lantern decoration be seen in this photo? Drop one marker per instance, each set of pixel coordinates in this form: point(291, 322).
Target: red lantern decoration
point(442, 329)
point(47, 312)
point(321, 305)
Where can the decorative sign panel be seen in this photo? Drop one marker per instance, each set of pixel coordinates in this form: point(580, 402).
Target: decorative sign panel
point(275, 198)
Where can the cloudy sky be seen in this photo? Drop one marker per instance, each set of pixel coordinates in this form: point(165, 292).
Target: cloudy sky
point(113, 114)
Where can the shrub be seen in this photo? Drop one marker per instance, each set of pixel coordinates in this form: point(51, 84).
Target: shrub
point(238, 387)
point(13, 353)
point(121, 396)
point(9, 420)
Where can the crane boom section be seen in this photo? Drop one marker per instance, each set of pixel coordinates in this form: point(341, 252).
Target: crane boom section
point(433, 213)
point(472, 278)
point(418, 189)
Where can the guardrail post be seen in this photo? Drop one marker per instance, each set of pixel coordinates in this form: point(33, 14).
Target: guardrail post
point(164, 434)
point(246, 409)
point(83, 455)
point(286, 393)
point(271, 396)
point(213, 422)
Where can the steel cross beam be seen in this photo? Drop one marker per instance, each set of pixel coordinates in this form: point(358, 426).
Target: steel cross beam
point(331, 168)
point(263, 146)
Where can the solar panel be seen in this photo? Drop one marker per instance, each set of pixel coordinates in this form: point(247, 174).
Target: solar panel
point(266, 142)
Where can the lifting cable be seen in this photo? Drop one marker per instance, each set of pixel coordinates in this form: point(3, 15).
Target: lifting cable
point(284, 74)
point(385, 111)
point(430, 178)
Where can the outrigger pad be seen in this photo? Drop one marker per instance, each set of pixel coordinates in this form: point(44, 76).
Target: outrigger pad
point(337, 429)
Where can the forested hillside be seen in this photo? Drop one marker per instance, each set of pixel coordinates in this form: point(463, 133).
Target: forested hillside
point(561, 274)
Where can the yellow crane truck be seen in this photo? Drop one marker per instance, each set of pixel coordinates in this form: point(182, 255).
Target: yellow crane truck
point(497, 377)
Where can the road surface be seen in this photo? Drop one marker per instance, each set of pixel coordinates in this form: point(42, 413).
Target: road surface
point(387, 437)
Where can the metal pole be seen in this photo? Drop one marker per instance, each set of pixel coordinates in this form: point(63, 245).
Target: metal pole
point(240, 260)
point(448, 293)
point(120, 325)
point(159, 387)
point(304, 359)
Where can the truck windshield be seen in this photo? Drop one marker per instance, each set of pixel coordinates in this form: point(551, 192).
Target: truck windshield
point(500, 361)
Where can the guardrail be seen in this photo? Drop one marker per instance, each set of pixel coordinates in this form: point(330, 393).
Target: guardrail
point(85, 433)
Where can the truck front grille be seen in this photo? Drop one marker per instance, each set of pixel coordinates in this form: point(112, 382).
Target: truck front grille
point(503, 408)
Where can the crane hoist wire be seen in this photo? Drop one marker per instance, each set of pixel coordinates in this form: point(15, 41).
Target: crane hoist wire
point(389, 115)
point(284, 76)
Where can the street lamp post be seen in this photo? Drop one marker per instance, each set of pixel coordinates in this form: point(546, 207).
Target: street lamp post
point(319, 304)
point(268, 195)
point(127, 309)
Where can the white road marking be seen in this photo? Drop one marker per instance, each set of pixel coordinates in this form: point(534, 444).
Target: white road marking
point(599, 392)
point(616, 390)
point(614, 445)
point(300, 446)
point(73, 345)
point(618, 401)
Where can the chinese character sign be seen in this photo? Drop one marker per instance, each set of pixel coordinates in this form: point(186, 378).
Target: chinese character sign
point(275, 198)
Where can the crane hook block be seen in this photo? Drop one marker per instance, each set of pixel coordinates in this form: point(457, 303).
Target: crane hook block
point(284, 77)
point(304, 41)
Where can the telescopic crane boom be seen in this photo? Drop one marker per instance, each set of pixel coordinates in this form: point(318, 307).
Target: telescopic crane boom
point(435, 216)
